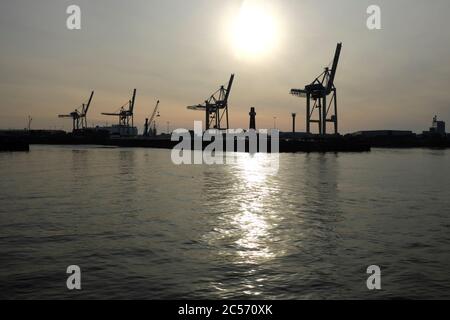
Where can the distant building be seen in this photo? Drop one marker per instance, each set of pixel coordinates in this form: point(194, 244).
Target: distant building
point(383, 133)
point(120, 131)
point(438, 127)
point(294, 135)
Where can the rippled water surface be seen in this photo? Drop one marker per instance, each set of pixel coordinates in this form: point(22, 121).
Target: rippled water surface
point(141, 227)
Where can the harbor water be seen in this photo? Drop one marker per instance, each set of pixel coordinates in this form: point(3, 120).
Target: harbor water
point(139, 226)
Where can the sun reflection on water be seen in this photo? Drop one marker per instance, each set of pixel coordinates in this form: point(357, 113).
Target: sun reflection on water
point(244, 233)
point(255, 217)
point(245, 230)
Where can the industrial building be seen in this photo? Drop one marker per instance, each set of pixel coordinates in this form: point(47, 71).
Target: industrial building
point(438, 127)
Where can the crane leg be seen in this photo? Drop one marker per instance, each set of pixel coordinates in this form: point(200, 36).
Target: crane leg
point(308, 112)
point(324, 115)
point(335, 113)
point(319, 107)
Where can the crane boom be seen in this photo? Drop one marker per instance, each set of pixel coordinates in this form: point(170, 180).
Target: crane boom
point(230, 84)
point(197, 107)
point(89, 103)
point(148, 130)
point(152, 118)
point(334, 68)
point(132, 102)
point(110, 114)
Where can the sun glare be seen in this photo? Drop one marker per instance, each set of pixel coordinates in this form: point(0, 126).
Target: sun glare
point(254, 32)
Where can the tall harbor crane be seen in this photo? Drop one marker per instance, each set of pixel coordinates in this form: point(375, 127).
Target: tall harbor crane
point(216, 107)
point(125, 113)
point(318, 91)
point(150, 125)
point(79, 118)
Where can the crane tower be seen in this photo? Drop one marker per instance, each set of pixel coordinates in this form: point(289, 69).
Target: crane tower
point(79, 117)
point(318, 91)
point(216, 107)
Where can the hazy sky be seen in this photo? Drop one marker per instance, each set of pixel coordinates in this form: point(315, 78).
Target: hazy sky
point(180, 51)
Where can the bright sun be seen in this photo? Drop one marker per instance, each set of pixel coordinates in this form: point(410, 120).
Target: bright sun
point(254, 32)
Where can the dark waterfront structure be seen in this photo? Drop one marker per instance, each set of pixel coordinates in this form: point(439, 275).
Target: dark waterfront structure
point(252, 115)
point(287, 142)
point(403, 139)
point(13, 143)
point(293, 122)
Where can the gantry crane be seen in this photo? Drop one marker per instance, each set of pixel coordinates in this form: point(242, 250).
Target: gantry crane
point(125, 113)
point(318, 91)
point(150, 125)
point(216, 107)
point(79, 118)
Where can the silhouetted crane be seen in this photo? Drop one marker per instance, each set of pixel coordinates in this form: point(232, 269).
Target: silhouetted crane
point(148, 130)
point(318, 90)
point(216, 107)
point(79, 118)
point(30, 119)
point(125, 112)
